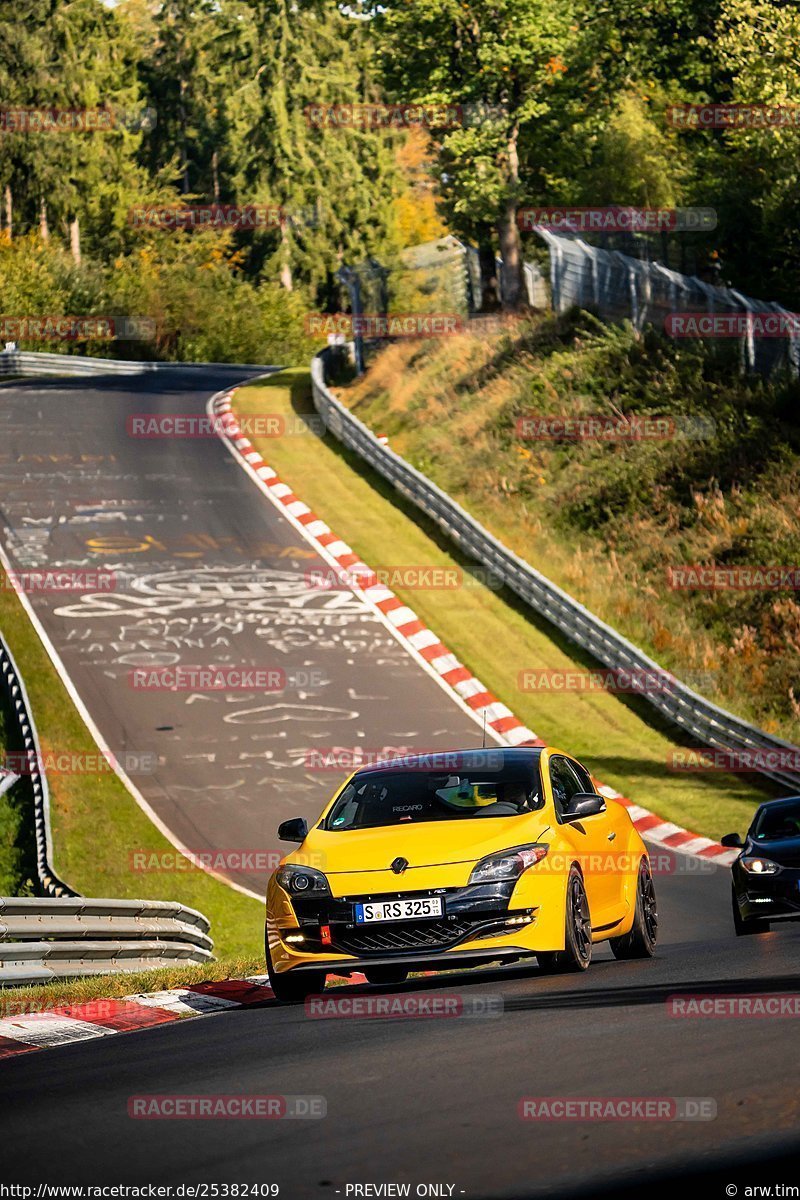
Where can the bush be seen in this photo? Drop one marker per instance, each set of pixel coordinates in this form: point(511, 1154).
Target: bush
point(189, 285)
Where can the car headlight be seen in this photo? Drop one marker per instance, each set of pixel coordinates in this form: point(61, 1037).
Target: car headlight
point(301, 881)
point(508, 864)
point(760, 866)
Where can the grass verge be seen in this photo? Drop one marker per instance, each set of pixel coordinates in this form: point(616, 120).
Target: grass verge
point(491, 632)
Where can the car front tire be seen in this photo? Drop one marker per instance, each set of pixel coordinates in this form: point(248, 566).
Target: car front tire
point(577, 952)
point(640, 942)
point(293, 987)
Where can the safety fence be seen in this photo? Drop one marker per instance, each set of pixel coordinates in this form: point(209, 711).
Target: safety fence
point(446, 275)
point(618, 287)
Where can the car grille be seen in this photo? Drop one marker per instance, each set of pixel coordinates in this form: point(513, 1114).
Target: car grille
point(409, 935)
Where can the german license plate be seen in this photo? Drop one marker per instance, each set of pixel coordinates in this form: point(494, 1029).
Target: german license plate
point(399, 910)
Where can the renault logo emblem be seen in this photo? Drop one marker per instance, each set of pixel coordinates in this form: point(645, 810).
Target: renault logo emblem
point(399, 865)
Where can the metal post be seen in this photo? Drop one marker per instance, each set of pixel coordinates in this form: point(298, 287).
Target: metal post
point(352, 281)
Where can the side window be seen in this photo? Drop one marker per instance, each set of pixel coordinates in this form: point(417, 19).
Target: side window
point(564, 782)
point(584, 778)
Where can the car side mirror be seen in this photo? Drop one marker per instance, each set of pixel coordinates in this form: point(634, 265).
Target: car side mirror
point(584, 804)
point(295, 830)
point(732, 839)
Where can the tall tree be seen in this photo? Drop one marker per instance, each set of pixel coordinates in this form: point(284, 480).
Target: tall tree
point(186, 73)
point(495, 64)
point(335, 183)
point(76, 58)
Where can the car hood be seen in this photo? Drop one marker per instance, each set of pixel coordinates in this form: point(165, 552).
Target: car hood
point(785, 851)
point(423, 845)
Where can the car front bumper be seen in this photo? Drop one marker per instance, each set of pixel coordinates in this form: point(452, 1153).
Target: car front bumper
point(481, 922)
point(768, 897)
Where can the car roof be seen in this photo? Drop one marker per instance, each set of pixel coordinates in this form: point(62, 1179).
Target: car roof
point(493, 758)
point(777, 803)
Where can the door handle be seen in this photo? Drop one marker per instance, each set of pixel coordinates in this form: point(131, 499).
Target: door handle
point(611, 837)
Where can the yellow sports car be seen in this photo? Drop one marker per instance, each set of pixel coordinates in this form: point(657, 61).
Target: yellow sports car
point(451, 859)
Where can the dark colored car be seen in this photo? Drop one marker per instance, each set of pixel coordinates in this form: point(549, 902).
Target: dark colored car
point(766, 875)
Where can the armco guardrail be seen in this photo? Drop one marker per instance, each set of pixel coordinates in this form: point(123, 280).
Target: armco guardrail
point(30, 362)
point(43, 939)
point(12, 683)
point(708, 724)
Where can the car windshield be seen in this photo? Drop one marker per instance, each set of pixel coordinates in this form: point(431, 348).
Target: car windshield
point(403, 797)
point(777, 822)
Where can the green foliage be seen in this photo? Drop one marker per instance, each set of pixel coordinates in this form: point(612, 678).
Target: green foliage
point(190, 285)
point(228, 85)
point(635, 157)
point(496, 64)
point(336, 182)
point(77, 56)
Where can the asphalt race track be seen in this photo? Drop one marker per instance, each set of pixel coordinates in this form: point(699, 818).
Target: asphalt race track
point(435, 1100)
point(417, 1101)
point(205, 572)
